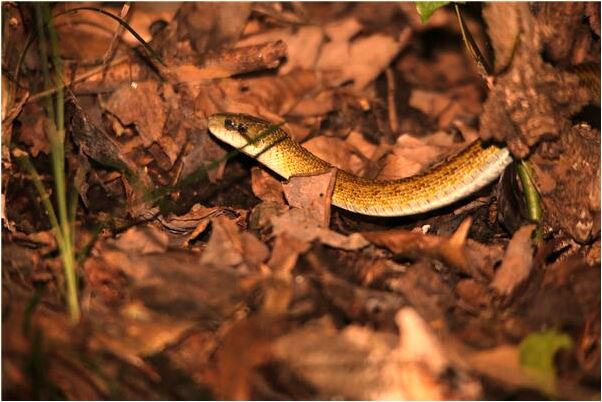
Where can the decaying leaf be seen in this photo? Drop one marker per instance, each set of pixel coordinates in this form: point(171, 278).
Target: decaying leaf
point(313, 194)
point(266, 187)
point(298, 223)
point(411, 244)
point(358, 363)
point(517, 263)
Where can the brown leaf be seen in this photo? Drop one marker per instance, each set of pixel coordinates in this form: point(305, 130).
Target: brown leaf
point(244, 348)
point(517, 263)
point(213, 25)
point(359, 363)
point(429, 102)
point(140, 105)
point(300, 224)
point(285, 253)
point(191, 220)
point(32, 131)
point(266, 187)
point(137, 331)
point(336, 152)
point(224, 248)
point(360, 145)
point(254, 251)
point(409, 157)
point(318, 105)
point(473, 294)
point(266, 96)
point(142, 240)
point(312, 193)
point(175, 284)
point(411, 244)
point(363, 59)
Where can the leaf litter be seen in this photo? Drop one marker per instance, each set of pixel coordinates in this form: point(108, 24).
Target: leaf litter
point(202, 274)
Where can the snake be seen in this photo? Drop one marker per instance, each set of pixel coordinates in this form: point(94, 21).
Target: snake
point(459, 176)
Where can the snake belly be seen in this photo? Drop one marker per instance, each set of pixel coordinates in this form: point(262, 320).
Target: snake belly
point(459, 176)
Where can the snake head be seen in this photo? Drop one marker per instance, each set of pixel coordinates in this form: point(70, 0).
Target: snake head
point(247, 133)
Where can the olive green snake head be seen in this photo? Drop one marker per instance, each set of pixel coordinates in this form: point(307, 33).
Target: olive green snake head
point(459, 176)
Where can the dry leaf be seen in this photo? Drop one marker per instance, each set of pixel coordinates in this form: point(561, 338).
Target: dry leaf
point(336, 152)
point(312, 193)
point(254, 251)
point(299, 224)
point(211, 25)
point(363, 59)
point(409, 157)
point(229, 62)
point(358, 363)
point(138, 331)
point(501, 363)
point(244, 348)
point(360, 145)
point(140, 105)
point(411, 244)
point(32, 131)
point(142, 240)
point(266, 187)
point(429, 102)
point(224, 248)
point(517, 262)
point(192, 220)
point(285, 253)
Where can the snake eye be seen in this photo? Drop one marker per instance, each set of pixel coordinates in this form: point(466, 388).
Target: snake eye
point(242, 129)
point(229, 124)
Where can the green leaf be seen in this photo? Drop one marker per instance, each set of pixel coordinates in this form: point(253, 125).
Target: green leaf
point(536, 356)
point(427, 8)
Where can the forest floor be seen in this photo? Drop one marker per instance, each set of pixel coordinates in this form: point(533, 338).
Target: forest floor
point(203, 275)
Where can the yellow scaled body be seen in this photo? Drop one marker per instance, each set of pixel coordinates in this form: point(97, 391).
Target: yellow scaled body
point(463, 174)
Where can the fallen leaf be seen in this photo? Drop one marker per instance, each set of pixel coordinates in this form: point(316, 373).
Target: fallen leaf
point(33, 132)
point(142, 106)
point(245, 347)
point(517, 262)
point(213, 25)
point(343, 29)
point(361, 60)
point(142, 240)
point(266, 187)
point(359, 363)
point(409, 157)
point(429, 102)
point(195, 220)
point(285, 253)
point(138, 331)
point(254, 251)
point(297, 223)
point(229, 62)
point(473, 294)
point(411, 244)
point(360, 145)
point(224, 248)
point(313, 193)
point(336, 152)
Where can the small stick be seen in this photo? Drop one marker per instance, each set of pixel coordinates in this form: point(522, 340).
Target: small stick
point(391, 104)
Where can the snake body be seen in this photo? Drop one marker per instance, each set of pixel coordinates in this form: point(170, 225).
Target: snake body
point(461, 175)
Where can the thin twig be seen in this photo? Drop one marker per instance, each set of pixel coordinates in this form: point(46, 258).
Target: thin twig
point(391, 104)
